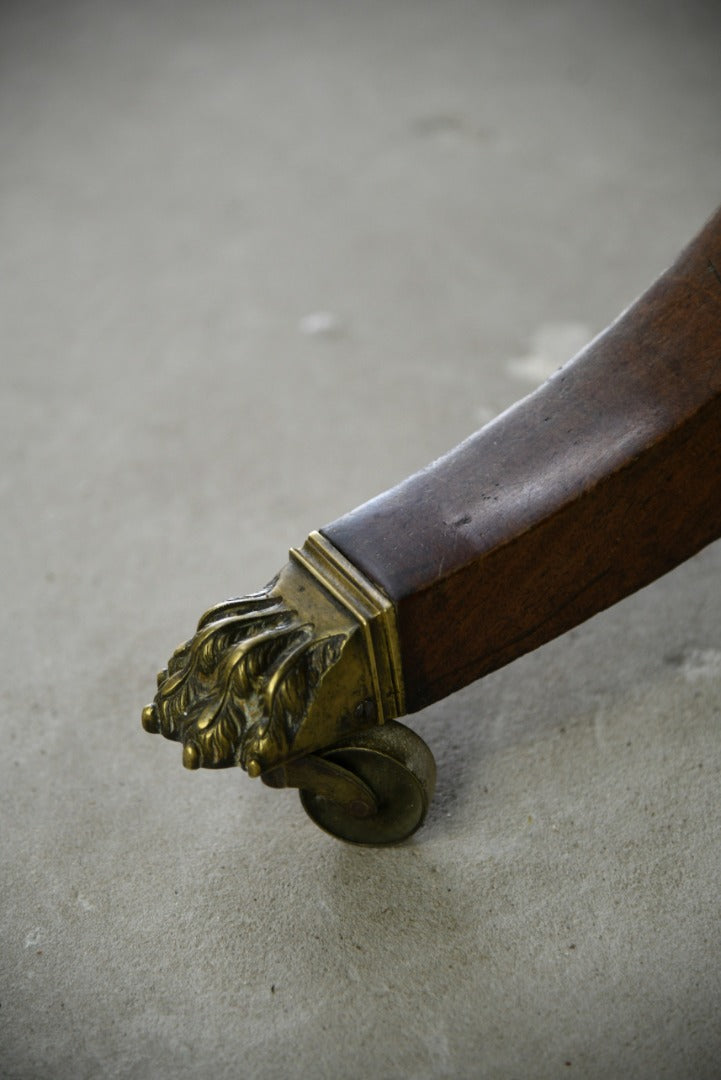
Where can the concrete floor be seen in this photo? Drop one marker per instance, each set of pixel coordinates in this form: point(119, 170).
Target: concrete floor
point(259, 262)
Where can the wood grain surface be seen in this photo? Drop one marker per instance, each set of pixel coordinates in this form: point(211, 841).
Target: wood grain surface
point(606, 477)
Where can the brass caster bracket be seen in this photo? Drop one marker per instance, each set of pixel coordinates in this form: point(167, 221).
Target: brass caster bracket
point(297, 684)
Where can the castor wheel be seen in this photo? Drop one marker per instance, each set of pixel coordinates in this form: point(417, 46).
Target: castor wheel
point(397, 767)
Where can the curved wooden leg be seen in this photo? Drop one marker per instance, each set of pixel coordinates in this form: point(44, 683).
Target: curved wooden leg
point(605, 478)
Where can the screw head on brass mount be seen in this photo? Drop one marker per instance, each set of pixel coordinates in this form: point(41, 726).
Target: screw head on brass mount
point(300, 684)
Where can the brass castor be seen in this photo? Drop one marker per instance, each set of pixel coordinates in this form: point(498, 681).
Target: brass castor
point(397, 767)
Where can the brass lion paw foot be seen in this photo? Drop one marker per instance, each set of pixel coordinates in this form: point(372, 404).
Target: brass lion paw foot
point(299, 684)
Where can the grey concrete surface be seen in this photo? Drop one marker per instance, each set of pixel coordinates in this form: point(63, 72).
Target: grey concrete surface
point(259, 262)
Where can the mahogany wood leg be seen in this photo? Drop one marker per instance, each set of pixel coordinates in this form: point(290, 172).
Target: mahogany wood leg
point(602, 480)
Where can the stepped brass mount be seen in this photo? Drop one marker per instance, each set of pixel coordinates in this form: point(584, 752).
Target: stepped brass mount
point(300, 684)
